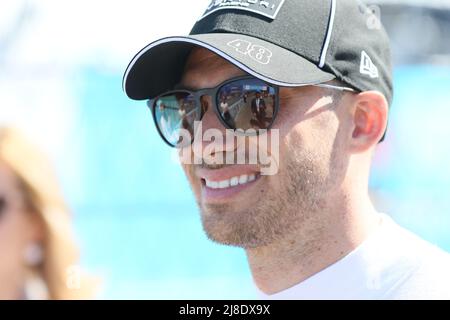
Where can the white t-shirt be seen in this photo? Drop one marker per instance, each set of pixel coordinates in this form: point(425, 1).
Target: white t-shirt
point(392, 263)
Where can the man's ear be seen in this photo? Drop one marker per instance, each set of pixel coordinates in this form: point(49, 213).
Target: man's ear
point(369, 120)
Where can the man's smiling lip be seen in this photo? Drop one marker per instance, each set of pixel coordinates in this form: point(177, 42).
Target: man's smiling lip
point(224, 183)
point(227, 172)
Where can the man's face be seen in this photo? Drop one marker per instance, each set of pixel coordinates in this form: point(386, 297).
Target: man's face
point(311, 164)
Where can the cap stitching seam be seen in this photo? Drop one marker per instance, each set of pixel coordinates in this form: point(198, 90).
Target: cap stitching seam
point(328, 34)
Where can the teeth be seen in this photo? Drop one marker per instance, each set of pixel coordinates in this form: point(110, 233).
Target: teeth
point(232, 182)
point(212, 184)
point(224, 184)
point(243, 179)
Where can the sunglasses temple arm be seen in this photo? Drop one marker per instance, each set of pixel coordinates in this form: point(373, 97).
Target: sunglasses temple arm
point(330, 86)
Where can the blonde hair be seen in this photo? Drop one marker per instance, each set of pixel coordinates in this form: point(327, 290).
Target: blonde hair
point(43, 197)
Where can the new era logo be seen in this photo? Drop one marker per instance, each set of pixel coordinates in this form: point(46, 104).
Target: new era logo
point(367, 67)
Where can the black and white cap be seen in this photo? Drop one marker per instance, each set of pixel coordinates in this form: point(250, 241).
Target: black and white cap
point(284, 42)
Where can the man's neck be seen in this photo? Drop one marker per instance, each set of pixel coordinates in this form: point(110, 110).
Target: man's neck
point(313, 247)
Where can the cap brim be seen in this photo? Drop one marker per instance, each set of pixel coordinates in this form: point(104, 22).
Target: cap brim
point(159, 66)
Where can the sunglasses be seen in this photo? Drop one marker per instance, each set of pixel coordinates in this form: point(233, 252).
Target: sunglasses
point(240, 104)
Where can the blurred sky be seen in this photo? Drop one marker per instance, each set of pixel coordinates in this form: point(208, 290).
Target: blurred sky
point(61, 66)
point(43, 43)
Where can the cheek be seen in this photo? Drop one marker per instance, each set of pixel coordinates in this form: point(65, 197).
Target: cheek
point(310, 117)
point(322, 130)
point(311, 140)
point(318, 131)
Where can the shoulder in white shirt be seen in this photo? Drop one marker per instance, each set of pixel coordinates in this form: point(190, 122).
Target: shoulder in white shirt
point(392, 263)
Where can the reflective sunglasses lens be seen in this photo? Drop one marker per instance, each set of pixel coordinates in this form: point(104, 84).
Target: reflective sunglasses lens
point(247, 104)
point(175, 114)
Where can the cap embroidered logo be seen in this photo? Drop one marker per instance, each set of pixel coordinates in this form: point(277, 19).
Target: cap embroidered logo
point(268, 9)
point(367, 67)
point(256, 52)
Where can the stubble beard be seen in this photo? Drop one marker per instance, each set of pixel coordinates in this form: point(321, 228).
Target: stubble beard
point(284, 204)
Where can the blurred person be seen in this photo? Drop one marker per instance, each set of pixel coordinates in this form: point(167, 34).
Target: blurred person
point(224, 103)
point(38, 255)
point(310, 231)
point(259, 110)
point(225, 109)
point(184, 118)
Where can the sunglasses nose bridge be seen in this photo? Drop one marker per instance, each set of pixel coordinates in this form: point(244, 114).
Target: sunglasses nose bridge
point(209, 113)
